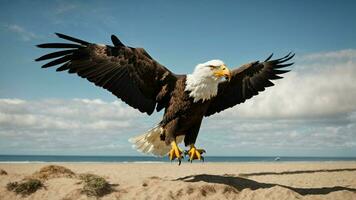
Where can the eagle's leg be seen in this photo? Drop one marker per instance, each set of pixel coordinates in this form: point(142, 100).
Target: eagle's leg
point(175, 152)
point(195, 153)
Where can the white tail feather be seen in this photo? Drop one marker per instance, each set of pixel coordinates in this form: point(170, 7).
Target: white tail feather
point(151, 143)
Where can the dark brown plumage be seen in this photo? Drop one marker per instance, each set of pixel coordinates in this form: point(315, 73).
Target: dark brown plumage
point(133, 76)
point(129, 73)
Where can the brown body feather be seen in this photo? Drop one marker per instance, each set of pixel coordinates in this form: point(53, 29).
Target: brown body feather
point(182, 116)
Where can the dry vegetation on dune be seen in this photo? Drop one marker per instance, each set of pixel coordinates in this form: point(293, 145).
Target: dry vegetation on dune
point(25, 187)
point(3, 172)
point(93, 185)
point(53, 171)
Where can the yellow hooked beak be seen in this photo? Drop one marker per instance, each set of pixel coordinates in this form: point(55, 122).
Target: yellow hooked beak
point(223, 71)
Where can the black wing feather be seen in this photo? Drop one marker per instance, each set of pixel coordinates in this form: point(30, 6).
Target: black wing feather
point(129, 73)
point(54, 55)
point(64, 67)
point(59, 45)
point(66, 37)
point(57, 61)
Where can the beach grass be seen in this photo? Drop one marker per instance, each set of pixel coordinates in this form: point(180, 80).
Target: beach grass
point(95, 185)
point(53, 171)
point(3, 172)
point(25, 187)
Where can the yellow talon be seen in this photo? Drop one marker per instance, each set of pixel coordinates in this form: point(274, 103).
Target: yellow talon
point(175, 152)
point(195, 153)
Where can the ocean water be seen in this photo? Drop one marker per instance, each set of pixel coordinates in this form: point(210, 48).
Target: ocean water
point(151, 159)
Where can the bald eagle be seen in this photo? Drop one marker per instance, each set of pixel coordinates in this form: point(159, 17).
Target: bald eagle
point(136, 78)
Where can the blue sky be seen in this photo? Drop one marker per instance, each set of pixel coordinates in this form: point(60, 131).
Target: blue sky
point(181, 34)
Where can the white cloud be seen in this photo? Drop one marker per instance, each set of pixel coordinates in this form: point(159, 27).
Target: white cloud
point(66, 126)
point(329, 56)
point(277, 138)
point(24, 34)
point(84, 114)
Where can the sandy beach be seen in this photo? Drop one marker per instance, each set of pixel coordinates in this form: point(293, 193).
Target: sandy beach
point(284, 180)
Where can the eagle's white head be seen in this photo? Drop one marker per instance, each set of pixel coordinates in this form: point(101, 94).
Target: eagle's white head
point(203, 83)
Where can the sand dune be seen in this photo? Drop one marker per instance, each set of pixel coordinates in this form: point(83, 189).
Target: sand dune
point(298, 180)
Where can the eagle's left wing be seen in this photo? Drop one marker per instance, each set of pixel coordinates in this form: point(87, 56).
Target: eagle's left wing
point(246, 82)
point(129, 73)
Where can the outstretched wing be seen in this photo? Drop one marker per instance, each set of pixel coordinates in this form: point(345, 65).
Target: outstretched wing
point(128, 73)
point(247, 81)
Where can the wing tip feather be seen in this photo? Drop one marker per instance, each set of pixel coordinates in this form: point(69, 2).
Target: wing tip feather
point(70, 38)
point(269, 57)
point(115, 40)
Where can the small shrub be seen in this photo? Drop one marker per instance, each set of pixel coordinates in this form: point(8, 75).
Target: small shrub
point(3, 172)
point(26, 187)
point(53, 171)
point(95, 185)
point(11, 186)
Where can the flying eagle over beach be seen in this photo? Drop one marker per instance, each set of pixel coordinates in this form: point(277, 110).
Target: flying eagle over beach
point(133, 76)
